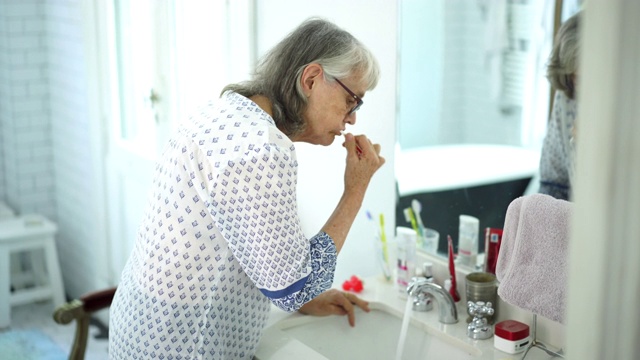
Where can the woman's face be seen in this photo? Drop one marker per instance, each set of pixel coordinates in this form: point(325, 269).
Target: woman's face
point(328, 108)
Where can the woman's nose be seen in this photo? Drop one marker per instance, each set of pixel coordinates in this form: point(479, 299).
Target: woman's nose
point(351, 118)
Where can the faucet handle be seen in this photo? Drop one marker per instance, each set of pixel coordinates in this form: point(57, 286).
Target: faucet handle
point(479, 328)
point(448, 314)
point(422, 300)
point(416, 282)
point(480, 308)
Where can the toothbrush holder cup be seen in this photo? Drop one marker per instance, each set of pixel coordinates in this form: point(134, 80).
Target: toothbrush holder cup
point(482, 286)
point(430, 241)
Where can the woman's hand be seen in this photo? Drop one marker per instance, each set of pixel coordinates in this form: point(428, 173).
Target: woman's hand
point(334, 302)
point(363, 160)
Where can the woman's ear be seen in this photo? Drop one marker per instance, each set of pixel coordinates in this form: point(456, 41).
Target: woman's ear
point(311, 74)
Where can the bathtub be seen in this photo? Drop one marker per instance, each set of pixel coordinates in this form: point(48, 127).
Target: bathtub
point(473, 179)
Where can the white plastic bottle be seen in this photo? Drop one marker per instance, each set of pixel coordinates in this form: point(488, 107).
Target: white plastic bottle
point(406, 239)
point(468, 240)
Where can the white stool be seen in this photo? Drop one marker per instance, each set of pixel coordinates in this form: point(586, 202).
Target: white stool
point(29, 233)
point(16, 260)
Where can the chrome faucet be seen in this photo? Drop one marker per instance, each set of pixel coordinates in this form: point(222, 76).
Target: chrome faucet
point(446, 306)
point(422, 301)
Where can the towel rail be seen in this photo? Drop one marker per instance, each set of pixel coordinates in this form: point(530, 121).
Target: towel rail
point(538, 344)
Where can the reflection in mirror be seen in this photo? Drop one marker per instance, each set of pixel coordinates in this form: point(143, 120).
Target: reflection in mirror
point(473, 103)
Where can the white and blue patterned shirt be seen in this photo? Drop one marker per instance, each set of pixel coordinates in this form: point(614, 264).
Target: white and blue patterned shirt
point(557, 160)
point(220, 240)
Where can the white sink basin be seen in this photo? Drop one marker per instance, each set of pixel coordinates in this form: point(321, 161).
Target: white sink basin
point(375, 336)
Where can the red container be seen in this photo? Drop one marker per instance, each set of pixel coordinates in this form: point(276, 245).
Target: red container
point(511, 336)
point(512, 330)
point(492, 241)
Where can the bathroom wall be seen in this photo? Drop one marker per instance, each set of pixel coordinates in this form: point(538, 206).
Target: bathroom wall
point(2, 171)
point(47, 163)
point(75, 158)
point(26, 182)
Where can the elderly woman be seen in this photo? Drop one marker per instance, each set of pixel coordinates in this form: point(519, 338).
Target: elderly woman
point(557, 158)
point(221, 239)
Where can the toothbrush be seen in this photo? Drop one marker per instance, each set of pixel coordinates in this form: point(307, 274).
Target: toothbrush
point(383, 239)
point(385, 254)
point(358, 148)
point(382, 245)
point(452, 272)
point(417, 209)
point(411, 218)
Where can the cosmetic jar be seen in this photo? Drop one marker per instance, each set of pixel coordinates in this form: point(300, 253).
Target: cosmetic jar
point(511, 336)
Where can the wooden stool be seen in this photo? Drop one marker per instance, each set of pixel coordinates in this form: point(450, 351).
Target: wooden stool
point(29, 233)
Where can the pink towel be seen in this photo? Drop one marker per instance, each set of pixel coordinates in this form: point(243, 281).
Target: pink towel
point(532, 262)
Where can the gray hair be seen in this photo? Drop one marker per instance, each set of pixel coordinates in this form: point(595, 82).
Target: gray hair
point(563, 61)
point(278, 73)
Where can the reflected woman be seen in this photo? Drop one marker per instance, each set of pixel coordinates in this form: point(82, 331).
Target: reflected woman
point(557, 162)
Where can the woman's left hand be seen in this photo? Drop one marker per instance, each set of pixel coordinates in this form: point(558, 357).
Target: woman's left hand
point(335, 302)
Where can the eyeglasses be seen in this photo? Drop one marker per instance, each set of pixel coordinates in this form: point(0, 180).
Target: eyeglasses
point(359, 101)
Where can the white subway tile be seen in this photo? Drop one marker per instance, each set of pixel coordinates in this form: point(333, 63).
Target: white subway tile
point(41, 158)
point(44, 182)
point(27, 73)
point(24, 41)
point(26, 185)
point(41, 121)
point(34, 26)
point(59, 11)
point(32, 199)
point(23, 9)
point(36, 56)
point(18, 91)
point(42, 150)
point(15, 57)
point(30, 169)
point(32, 136)
point(29, 105)
point(38, 88)
point(14, 26)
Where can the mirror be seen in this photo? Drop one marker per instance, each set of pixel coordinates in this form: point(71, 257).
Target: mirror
point(473, 103)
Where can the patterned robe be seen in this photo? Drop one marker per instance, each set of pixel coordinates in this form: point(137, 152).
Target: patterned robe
point(220, 241)
point(557, 160)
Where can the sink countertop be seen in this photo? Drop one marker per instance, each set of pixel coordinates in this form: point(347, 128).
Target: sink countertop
point(275, 345)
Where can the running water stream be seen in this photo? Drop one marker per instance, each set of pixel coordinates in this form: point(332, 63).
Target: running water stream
point(403, 329)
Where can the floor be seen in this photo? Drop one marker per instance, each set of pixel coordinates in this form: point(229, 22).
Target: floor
point(40, 316)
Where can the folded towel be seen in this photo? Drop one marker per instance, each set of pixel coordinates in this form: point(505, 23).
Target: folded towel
point(532, 262)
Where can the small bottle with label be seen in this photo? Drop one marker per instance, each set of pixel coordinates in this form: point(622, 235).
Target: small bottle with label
point(406, 239)
point(468, 240)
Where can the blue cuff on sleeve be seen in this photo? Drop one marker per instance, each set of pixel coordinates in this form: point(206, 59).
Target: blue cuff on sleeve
point(323, 265)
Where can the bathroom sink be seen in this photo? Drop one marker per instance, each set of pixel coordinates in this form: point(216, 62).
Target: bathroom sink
point(375, 336)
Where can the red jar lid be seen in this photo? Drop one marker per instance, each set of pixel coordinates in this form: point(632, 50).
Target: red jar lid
point(512, 330)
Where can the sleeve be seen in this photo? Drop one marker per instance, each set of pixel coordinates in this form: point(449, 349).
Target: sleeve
point(255, 203)
point(555, 161)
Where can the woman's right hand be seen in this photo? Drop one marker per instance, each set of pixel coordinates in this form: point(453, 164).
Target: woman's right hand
point(363, 160)
point(334, 302)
